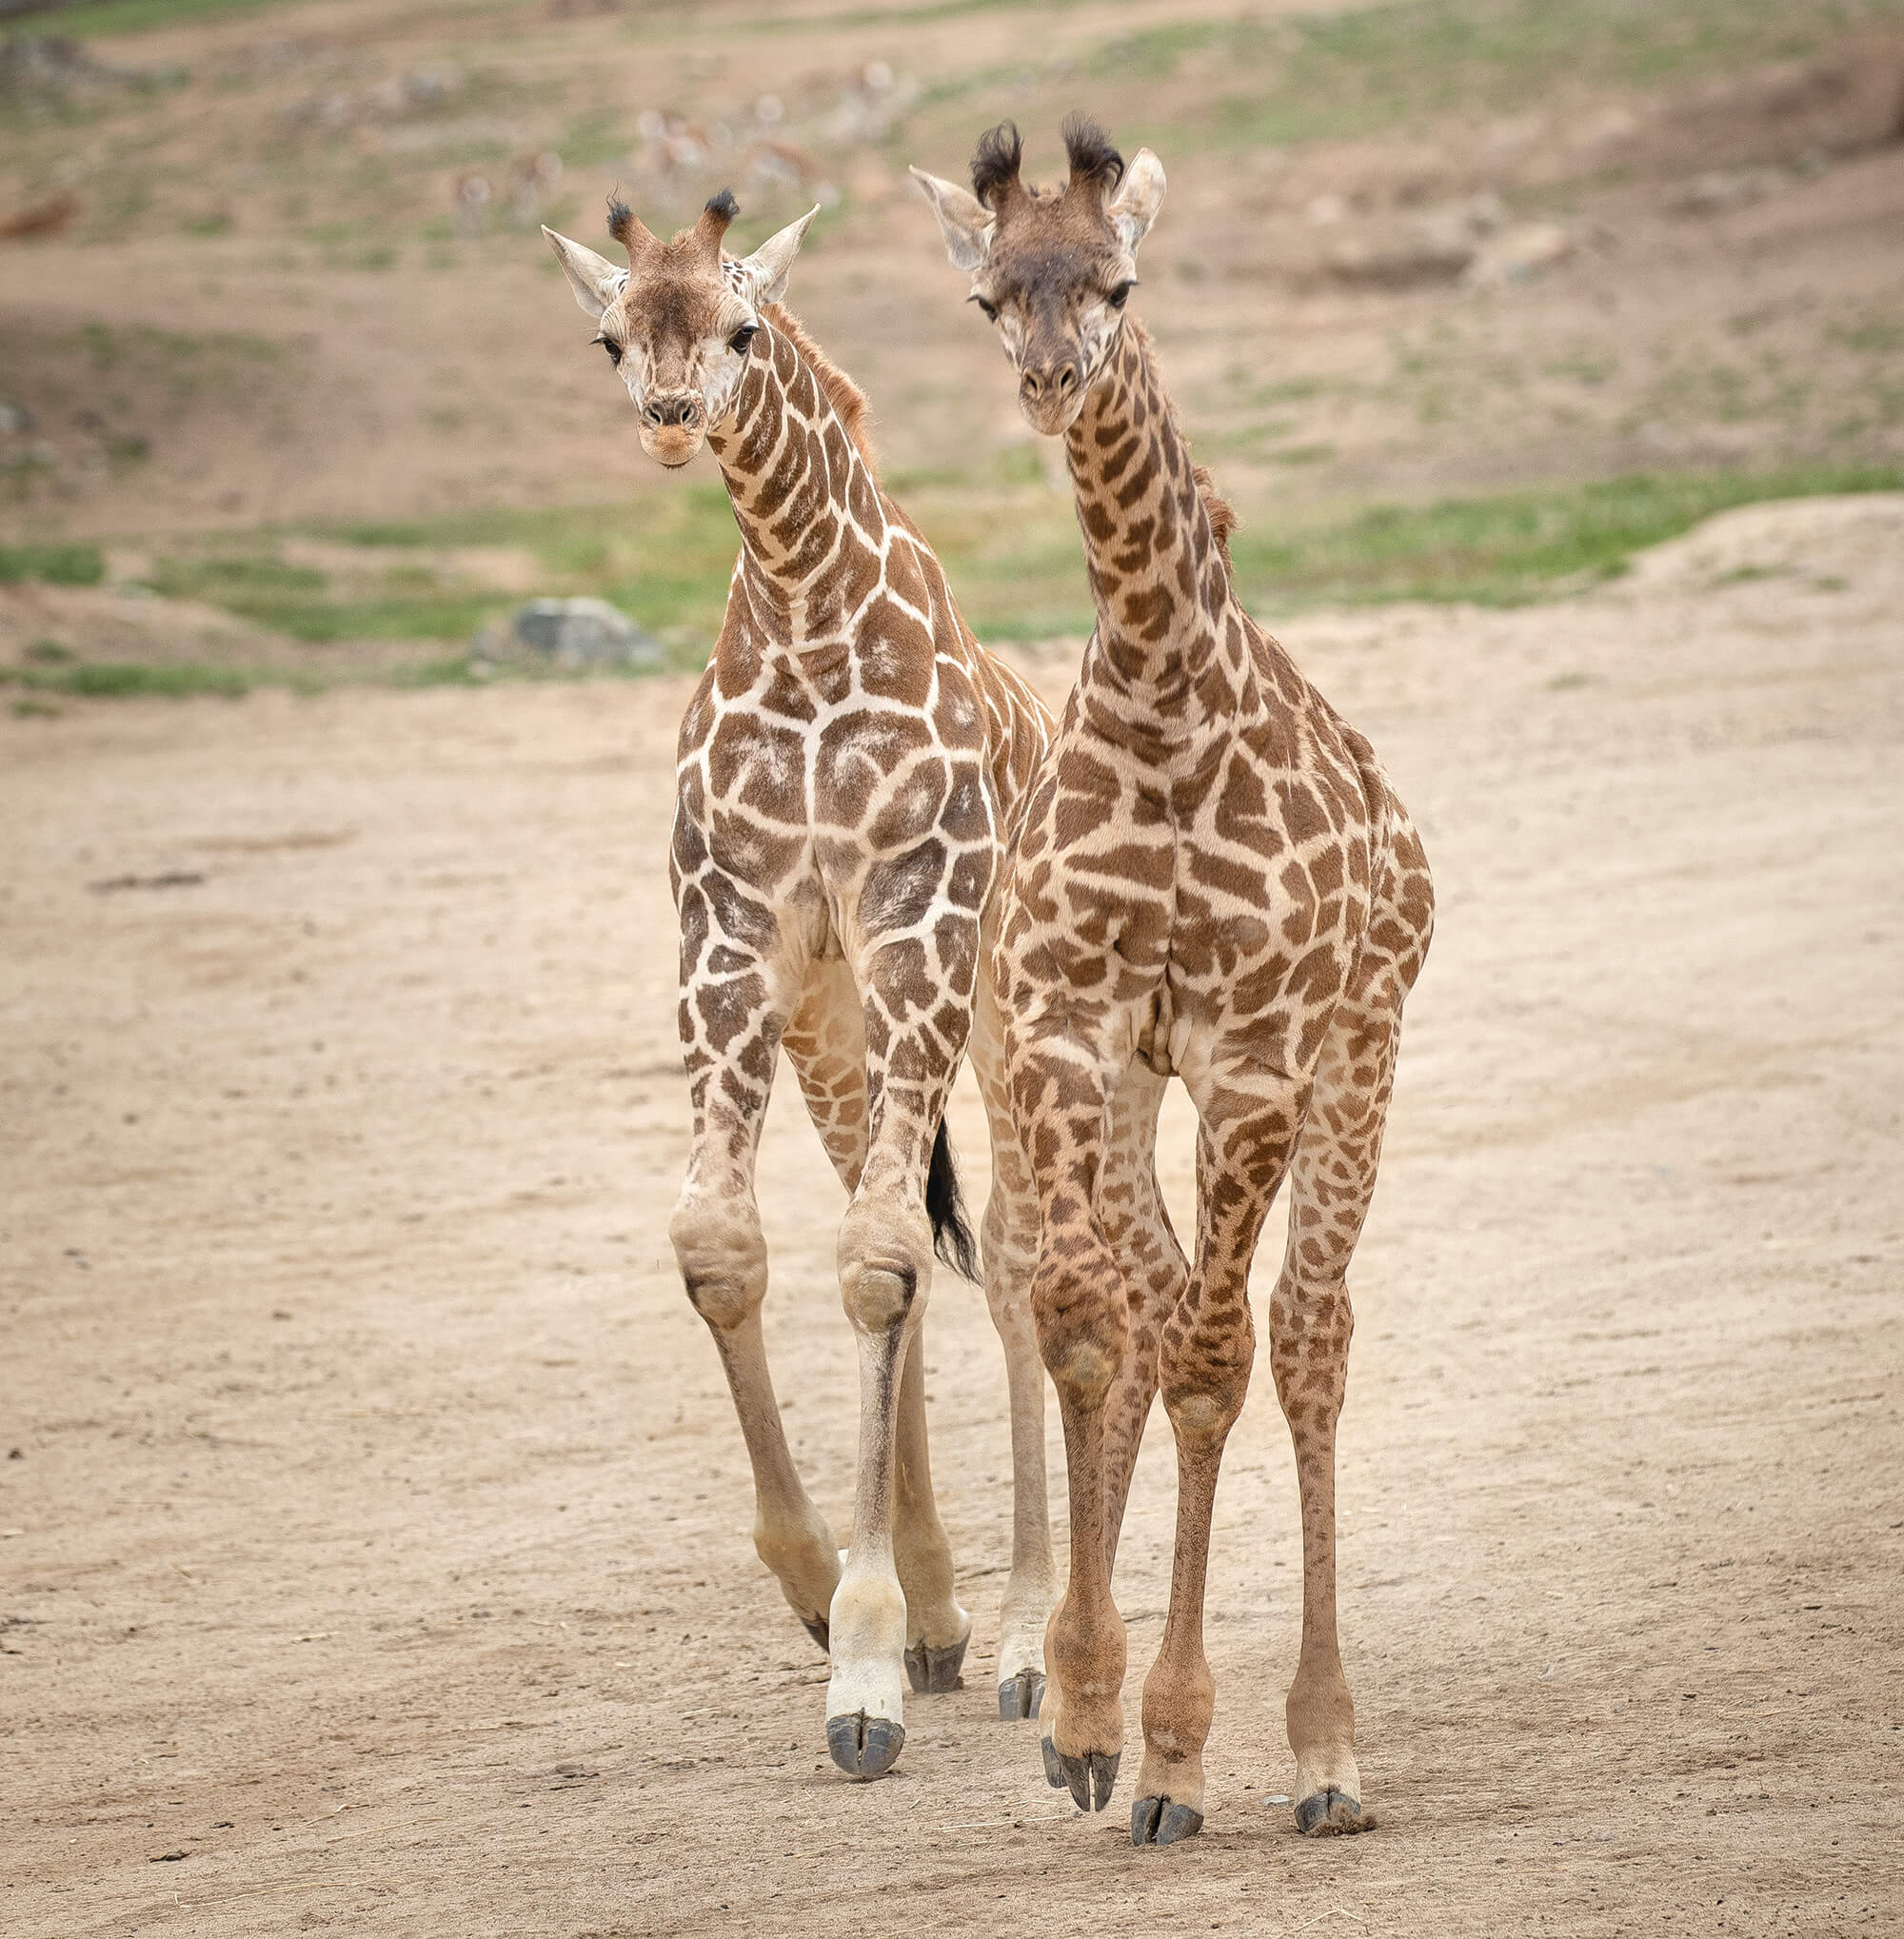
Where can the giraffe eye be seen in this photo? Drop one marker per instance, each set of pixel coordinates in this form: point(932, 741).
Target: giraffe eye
point(744, 336)
point(613, 349)
point(989, 310)
point(1120, 295)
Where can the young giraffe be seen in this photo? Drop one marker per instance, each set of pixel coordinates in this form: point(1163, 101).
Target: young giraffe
point(848, 768)
point(1212, 878)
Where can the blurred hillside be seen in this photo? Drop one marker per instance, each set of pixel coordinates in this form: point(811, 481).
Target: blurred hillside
point(279, 339)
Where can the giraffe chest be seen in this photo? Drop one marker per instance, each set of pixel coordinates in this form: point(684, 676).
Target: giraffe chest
point(847, 817)
point(1229, 901)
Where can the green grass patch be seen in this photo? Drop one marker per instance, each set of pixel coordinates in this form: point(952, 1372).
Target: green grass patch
point(138, 16)
point(1335, 74)
point(663, 558)
point(1016, 568)
point(119, 679)
point(1011, 552)
point(1340, 74)
point(58, 564)
point(1510, 547)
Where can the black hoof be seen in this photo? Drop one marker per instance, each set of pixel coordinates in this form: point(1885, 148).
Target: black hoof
point(1019, 1696)
point(1158, 1821)
point(865, 1747)
point(1090, 1777)
point(936, 1670)
point(817, 1628)
point(1330, 1814)
point(1054, 1771)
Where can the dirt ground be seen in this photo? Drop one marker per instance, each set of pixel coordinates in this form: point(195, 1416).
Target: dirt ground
point(376, 1531)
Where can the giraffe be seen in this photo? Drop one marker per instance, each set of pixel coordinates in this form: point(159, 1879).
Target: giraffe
point(1214, 879)
point(847, 767)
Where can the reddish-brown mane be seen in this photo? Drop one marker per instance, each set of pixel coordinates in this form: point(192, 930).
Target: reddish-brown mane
point(1222, 514)
point(847, 399)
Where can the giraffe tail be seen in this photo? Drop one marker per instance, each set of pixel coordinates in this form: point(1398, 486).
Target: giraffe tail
point(945, 1206)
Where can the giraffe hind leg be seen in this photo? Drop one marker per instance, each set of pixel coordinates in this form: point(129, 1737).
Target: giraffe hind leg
point(825, 1042)
point(717, 1241)
point(1010, 1256)
point(913, 1046)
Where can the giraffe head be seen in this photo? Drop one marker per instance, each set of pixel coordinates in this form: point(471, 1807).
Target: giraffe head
point(677, 322)
point(1052, 268)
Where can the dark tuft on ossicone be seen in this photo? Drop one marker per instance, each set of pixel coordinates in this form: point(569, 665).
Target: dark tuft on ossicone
point(619, 217)
point(1093, 159)
point(724, 205)
point(995, 161)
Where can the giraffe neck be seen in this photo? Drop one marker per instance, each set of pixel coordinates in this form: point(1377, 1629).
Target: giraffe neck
point(1169, 658)
point(813, 521)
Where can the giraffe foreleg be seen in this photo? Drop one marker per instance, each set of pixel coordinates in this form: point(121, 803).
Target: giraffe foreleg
point(1063, 1078)
point(1207, 1350)
point(1310, 1325)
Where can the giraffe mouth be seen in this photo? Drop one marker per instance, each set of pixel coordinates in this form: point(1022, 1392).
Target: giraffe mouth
point(672, 444)
point(1051, 417)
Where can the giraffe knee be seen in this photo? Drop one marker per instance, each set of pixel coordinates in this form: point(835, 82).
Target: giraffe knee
point(886, 1262)
point(1311, 1324)
point(1205, 1376)
point(1011, 1257)
point(723, 1255)
point(1083, 1323)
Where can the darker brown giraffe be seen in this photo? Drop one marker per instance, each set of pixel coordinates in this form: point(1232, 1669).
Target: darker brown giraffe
point(1213, 879)
point(848, 767)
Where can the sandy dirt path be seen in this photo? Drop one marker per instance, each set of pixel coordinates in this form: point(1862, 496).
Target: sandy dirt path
point(375, 1528)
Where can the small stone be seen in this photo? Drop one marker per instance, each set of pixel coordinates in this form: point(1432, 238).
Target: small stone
point(569, 635)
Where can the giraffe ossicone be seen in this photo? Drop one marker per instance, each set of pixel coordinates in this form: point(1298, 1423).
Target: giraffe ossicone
point(1212, 878)
point(848, 769)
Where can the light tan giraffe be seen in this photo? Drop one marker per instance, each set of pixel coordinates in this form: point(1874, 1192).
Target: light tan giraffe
point(1212, 878)
point(848, 769)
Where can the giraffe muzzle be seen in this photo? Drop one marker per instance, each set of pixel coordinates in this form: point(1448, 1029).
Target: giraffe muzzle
point(1049, 398)
point(673, 428)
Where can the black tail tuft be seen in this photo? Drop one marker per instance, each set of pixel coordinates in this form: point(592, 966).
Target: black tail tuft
point(951, 1237)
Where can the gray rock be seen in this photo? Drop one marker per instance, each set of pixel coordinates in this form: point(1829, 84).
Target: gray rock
point(569, 636)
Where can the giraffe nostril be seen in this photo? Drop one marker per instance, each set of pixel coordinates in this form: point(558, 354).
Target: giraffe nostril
point(1067, 380)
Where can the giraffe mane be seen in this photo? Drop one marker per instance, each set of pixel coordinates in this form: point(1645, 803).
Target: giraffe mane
point(847, 399)
point(1221, 512)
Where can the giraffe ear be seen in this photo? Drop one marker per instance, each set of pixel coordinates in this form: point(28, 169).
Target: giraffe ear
point(595, 280)
point(763, 275)
point(1139, 196)
point(964, 219)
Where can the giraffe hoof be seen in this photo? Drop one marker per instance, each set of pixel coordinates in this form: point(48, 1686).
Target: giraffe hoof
point(936, 1670)
point(1090, 1777)
point(1054, 1771)
point(816, 1627)
point(1158, 1821)
point(1019, 1696)
point(1332, 1814)
point(865, 1747)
